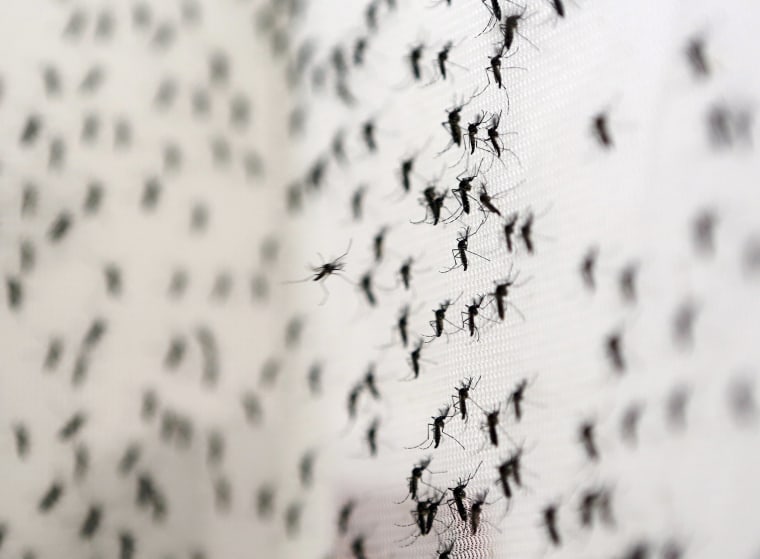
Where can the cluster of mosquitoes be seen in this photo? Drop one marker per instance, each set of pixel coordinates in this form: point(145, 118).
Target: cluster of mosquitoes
point(459, 514)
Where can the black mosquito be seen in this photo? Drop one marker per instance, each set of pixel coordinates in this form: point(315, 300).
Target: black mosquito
point(443, 58)
point(473, 309)
point(497, 144)
point(587, 437)
point(51, 497)
point(695, 53)
point(405, 271)
point(353, 400)
point(21, 437)
point(588, 267)
point(510, 28)
point(372, 436)
point(462, 192)
point(402, 324)
point(494, 9)
point(628, 282)
point(368, 133)
point(338, 148)
point(415, 57)
point(322, 272)
point(344, 516)
point(463, 394)
point(357, 547)
point(459, 493)
point(486, 201)
point(704, 231)
point(460, 253)
point(357, 202)
point(432, 512)
point(453, 126)
point(550, 514)
point(613, 346)
point(414, 358)
point(378, 242)
point(416, 478)
point(476, 511)
point(438, 424)
point(492, 425)
point(597, 501)
point(501, 294)
point(516, 398)
point(439, 314)
point(526, 232)
point(91, 522)
point(365, 284)
point(434, 203)
point(683, 323)
point(601, 130)
point(510, 223)
point(306, 468)
point(72, 426)
point(472, 130)
point(508, 468)
point(407, 167)
point(370, 383)
point(360, 48)
point(559, 7)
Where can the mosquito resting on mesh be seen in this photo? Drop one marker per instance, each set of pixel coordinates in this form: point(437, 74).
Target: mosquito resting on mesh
point(559, 7)
point(695, 53)
point(462, 192)
point(459, 493)
point(469, 315)
point(510, 223)
point(510, 28)
point(371, 436)
point(601, 130)
point(402, 323)
point(344, 516)
point(492, 424)
point(321, 273)
point(472, 130)
point(460, 253)
point(526, 232)
point(438, 424)
point(501, 294)
point(510, 468)
point(517, 397)
point(414, 359)
point(439, 317)
point(549, 515)
point(588, 267)
point(405, 271)
point(463, 395)
point(587, 437)
point(476, 510)
point(599, 501)
point(613, 346)
point(415, 57)
point(405, 170)
point(432, 511)
point(494, 137)
point(366, 287)
point(434, 204)
point(453, 118)
point(494, 9)
point(357, 202)
point(416, 478)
